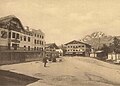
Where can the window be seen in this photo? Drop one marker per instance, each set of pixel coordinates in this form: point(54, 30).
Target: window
point(42, 37)
point(17, 36)
point(21, 38)
point(40, 42)
point(24, 38)
point(80, 50)
point(83, 46)
point(35, 41)
point(34, 48)
point(35, 35)
point(28, 39)
point(41, 49)
point(15, 46)
point(13, 35)
point(24, 47)
point(9, 34)
point(68, 46)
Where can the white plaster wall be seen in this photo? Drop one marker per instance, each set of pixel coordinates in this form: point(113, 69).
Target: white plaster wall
point(3, 41)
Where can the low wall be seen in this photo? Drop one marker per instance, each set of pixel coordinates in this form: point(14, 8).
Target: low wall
point(93, 55)
point(18, 57)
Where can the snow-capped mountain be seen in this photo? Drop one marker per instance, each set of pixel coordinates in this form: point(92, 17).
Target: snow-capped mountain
point(97, 39)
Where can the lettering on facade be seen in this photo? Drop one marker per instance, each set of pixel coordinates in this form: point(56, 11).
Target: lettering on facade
point(16, 41)
point(3, 34)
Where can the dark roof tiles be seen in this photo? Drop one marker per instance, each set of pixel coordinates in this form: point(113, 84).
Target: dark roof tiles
point(77, 42)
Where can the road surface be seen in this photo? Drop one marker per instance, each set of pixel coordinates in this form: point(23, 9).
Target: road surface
point(8, 78)
point(72, 71)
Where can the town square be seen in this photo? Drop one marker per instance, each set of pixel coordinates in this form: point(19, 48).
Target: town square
point(59, 43)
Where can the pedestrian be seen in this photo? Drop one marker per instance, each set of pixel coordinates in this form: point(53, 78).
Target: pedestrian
point(45, 61)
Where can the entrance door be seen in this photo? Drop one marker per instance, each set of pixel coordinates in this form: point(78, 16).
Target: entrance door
point(28, 47)
point(74, 53)
point(14, 46)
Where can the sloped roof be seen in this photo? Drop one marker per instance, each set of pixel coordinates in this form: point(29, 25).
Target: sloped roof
point(77, 42)
point(99, 51)
point(52, 45)
point(37, 31)
point(118, 37)
point(5, 20)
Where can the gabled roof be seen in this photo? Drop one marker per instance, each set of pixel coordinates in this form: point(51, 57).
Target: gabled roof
point(118, 37)
point(6, 21)
point(52, 45)
point(77, 42)
point(7, 18)
point(37, 31)
point(99, 51)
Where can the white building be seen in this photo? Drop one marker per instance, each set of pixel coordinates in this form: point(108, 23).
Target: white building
point(13, 36)
point(60, 51)
point(77, 48)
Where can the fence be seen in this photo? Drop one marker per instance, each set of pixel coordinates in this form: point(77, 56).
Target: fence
point(8, 57)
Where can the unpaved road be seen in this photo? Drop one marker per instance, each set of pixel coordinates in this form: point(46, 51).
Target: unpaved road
point(8, 78)
point(72, 71)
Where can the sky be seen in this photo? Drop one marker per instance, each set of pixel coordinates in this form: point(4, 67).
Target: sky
point(65, 20)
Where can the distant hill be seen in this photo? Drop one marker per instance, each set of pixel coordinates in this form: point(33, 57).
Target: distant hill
point(97, 39)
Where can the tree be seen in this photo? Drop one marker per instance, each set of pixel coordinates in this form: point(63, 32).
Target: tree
point(111, 49)
point(105, 49)
point(116, 46)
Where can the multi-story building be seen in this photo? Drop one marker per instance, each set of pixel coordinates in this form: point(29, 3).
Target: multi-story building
point(77, 48)
point(13, 36)
point(51, 50)
point(38, 40)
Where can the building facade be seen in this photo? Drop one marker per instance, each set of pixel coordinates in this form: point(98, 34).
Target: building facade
point(51, 50)
point(74, 48)
point(13, 36)
point(60, 51)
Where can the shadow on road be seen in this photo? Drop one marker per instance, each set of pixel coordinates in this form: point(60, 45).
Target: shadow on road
point(8, 78)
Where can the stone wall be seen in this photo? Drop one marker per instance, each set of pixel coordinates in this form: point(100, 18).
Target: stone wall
point(18, 57)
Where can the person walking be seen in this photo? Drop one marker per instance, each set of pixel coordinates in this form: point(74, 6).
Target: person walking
point(45, 61)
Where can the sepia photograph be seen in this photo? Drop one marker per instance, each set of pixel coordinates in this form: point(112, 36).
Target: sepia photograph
point(59, 42)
